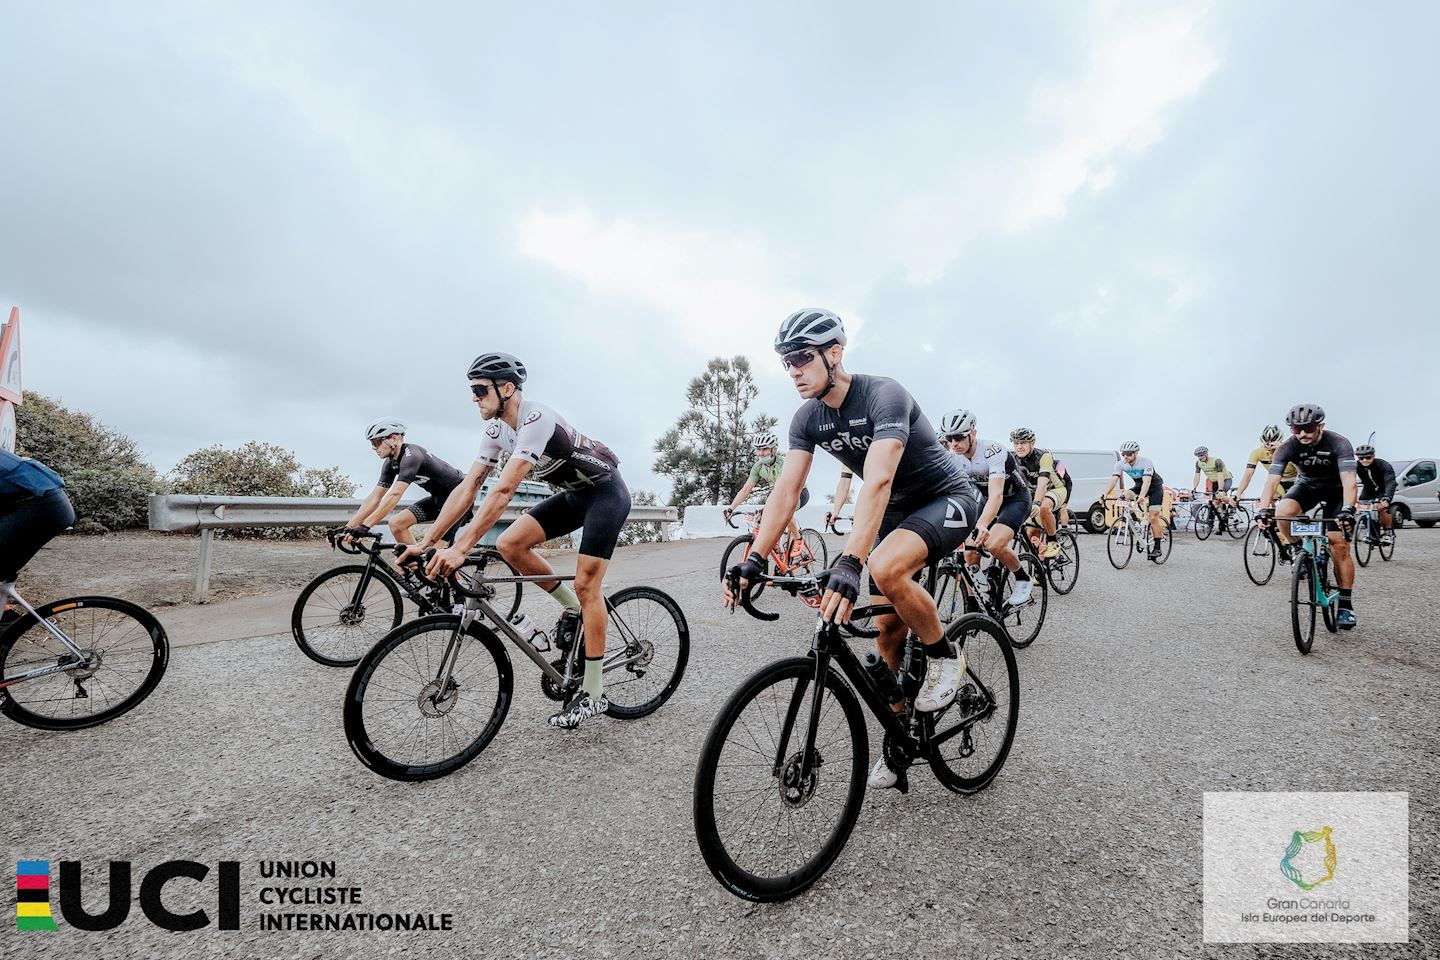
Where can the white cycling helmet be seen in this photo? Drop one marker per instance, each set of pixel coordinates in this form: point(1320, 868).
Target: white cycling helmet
point(1202, 451)
point(957, 421)
point(810, 327)
point(1270, 434)
point(1129, 446)
point(384, 427)
point(763, 440)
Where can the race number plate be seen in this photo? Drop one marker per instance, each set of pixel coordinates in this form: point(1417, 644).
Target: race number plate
point(1306, 529)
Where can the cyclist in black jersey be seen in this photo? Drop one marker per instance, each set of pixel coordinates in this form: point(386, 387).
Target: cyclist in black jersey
point(404, 464)
point(1326, 462)
point(1050, 485)
point(1377, 484)
point(914, 508)
point(591, 496)
point(33, 511)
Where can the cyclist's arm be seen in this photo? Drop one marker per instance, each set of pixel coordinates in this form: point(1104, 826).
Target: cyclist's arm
point(459, 501)
point(842, 495)
point(1267, 493)
point(1195, 484)
point(1144, 486)
point(367, 506)
point(1389, 474)
point(1043, 484)
point(994, 499)
point(745, 491)
point(1244, 480)
point(879, 476)
point(1113, 480)
point(784, 499)
point(492, 506)
point(387, 503)
point(1347, 481)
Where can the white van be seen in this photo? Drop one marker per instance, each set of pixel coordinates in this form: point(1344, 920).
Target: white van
point(1416, 490)
point(1091, 470)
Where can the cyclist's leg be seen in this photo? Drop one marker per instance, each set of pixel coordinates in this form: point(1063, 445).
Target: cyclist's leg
point(926, 534)
point(402, 524)
point(1386, 523)
point(1156, 503)
point(1002, 531)
point(27, 526)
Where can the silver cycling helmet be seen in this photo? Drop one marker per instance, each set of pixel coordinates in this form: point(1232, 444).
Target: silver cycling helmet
point(810, 327)
point(957, 421)
point(763, 440)
point(1305, 415)
point(1022, 435)
point(1271, 434)
point(1129, 446)
point(384, 427)
point(1364, 450)
point(1202, 451)
point(497, 367)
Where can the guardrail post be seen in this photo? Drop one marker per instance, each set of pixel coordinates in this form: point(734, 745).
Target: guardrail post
point(202, 577)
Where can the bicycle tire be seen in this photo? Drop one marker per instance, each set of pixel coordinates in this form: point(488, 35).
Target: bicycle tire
point(815, 541)
point(1119, 545)
point(1361, 543)
point(1239, 523)
point(1387, 546)
point(948, 603)
point(731, 558)
point(1260, 557)
point(790, 678)
point(318, 620)
point(979, 658)
point(1204, 517)
point(507, 595)
point(631, 613)
point(377, 663)
point(146, 654)
point(1063, 570)
point(1329, 611)
point(1167, 540)
point(1014, 619)
point(1302, 597)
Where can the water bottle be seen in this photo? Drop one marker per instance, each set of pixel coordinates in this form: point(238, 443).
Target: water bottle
point(883, 678)
point(530, 632)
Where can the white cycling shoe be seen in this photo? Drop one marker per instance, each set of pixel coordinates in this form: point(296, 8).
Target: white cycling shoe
point(881, 776)
point(942, 683)
point(1021, 594)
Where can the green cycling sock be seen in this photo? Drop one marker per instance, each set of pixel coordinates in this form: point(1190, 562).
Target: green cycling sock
point(565, 596)
point(594, 682)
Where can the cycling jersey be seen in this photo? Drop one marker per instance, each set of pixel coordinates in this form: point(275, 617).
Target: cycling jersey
point(878, 408)
point(22, 478)
point(1138, 471)
point(563, 456)
point(1320, 464)
point(417, 465)
point(1377, 481)
point(1214, 468)
point(1262, 456)
point(764, 475)
point(992, 460)
point(1040, 463)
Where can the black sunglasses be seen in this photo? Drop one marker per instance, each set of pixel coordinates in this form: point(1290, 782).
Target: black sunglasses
point(1307, 428)
point(482, 390)
point(797, 359)
point(955, 437)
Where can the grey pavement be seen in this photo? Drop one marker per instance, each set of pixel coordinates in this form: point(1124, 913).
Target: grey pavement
point(1147, 687)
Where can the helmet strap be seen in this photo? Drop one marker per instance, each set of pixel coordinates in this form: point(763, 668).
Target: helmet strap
point(830, 370)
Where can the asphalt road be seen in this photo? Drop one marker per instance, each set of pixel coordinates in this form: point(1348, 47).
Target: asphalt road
point(1147, 687)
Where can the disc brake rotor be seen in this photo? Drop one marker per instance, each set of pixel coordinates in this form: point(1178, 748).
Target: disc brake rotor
point(434, 703)
point(796, 789)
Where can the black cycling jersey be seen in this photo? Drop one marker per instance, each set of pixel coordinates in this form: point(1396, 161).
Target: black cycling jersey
point(1377, 481)
point(416, 465)
point(878, 408)
point(1319, 464)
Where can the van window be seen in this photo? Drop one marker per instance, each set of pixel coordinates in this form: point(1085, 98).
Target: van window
point(1422, 472)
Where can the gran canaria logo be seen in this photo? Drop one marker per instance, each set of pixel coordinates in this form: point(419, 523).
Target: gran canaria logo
point(1299, 840)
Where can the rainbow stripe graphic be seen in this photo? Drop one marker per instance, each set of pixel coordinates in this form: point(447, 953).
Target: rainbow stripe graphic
point(32, 896)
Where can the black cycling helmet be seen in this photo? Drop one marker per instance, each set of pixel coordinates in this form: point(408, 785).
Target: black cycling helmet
point(1364, 450)
point(810, 327)
point(497, 367)
point(1304, 415)
point(1022, 435)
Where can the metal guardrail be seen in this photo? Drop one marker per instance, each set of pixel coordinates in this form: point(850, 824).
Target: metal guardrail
point(205, 513)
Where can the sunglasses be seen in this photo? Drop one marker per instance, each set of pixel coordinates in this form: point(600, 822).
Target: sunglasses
point(955, 437)
point(482, 390)
point(1308, 428)
point(1366, 456)
point(376, 443)
point(797, 359)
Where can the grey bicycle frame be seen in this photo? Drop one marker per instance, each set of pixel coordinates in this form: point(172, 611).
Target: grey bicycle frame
point(7, 594)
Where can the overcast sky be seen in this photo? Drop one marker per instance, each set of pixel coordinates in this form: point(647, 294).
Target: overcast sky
point(1105, 221)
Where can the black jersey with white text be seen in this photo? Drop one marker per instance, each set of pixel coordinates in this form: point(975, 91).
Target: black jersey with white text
point(1321, 463)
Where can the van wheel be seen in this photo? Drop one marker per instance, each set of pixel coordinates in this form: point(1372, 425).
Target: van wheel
point(1095, 519)
point(1427, 524)
point(1399, 514)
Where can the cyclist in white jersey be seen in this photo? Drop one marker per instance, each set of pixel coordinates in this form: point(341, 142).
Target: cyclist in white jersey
point(1007, 495)
point(591, 496)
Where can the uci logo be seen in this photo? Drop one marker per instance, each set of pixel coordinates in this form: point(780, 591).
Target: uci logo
point(152, 895)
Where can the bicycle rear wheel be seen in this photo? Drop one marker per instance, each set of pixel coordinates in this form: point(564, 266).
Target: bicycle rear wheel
point(1167, 540)
point(1329, 610)
point(949, 598)
point(817, 557)
point(344, 612)
point(647, 644)
point(1119, 545)
point(969, 740)
point(1362, 541)
point(401, 723)
point(127, 653)
point(1387, 544)
point(767, 832)
point(1022, 624)
point(1064, 568)
point(1302, 601)
point(1239, 523)
point(1204, 521)
point(1259, 557)
point(737, 550)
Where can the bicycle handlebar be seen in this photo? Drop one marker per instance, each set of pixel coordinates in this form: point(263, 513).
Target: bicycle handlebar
point(337, 538)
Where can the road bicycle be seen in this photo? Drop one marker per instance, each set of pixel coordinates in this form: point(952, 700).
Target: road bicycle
point(1063, 569)
point(1263, 549)
point(1209, 516)
point(78, 662)
point(1310, 581)
point(1130, 534)
point(345, 611)
point(804, 556)
point(432, 693)
point(1370, 536)
point(782, 772)
point(959, 589)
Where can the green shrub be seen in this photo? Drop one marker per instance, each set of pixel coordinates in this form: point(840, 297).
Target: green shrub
point(640, 531)
point(106, 478)
point(258, 470)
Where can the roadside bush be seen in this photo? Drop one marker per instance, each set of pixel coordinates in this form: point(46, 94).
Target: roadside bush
point(640, 531)
point(258, 470)
point(106, 478)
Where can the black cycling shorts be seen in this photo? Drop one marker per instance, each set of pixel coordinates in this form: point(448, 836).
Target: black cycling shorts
point(599, 512)
point(1309, 494)
point(943, 523)
point(427, 510)
point(27, 525)
point(1014, 511)
point(1156, 496)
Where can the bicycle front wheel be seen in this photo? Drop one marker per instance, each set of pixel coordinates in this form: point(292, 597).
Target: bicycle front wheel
point(1259, 557)
point(1063, 569)
point(1022, 624)
point(1302, 601)
point(1239, 523)
point(1204, 522)
point(126, 652)
point(1363, 544)
point(1166, 541)
point(768, 831)
point(814, 556)
point(1387, 544)
point(970, 739)
point(406, 720)
point(489, 563)
point(1119, 545)
point(647, 644)
point(344, 612)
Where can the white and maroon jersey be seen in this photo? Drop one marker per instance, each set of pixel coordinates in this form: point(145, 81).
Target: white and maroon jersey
point(563, 456)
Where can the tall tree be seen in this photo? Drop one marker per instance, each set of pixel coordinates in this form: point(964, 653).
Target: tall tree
point(707, 453)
